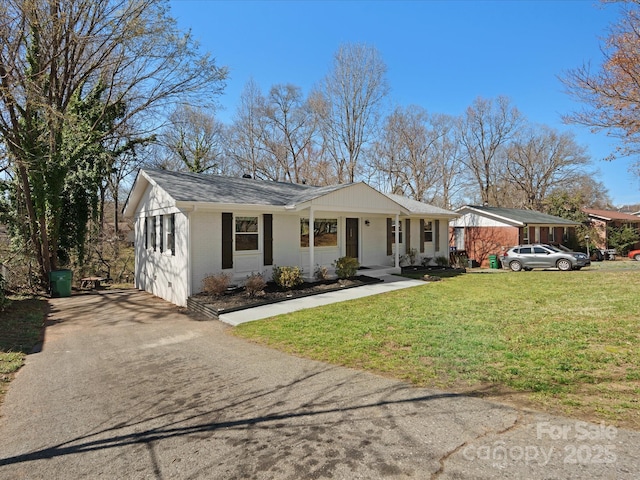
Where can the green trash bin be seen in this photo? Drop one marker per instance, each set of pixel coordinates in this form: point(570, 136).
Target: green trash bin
point(60, 283)
point(493, 261)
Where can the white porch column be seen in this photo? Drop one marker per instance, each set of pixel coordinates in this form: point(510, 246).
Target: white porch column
point(397, 257)
point(311, 241)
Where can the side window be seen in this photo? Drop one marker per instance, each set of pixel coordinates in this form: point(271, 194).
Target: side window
point(525, 251)
point(171, 233)
point(540, 250)
point(145, 232)
point(154, 236)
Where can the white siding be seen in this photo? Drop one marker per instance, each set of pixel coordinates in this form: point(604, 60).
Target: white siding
point(358, 197)
point(475, 220)
point(373, 242)
point(206, 246)
point(162, 273)
point(286, 240)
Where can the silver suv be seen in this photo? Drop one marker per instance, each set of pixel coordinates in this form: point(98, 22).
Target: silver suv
point(526, 257)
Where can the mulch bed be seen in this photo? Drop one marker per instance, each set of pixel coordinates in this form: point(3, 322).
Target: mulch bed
point(237, 299)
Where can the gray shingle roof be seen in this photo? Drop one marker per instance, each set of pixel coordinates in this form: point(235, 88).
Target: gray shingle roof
point(527, 217)
point(416, 207)
point(194, 187)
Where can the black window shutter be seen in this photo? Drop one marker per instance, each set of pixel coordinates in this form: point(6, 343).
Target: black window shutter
point(268, 238)
point(389, 236)
point(422, 235)
point(227, 240)
point(437, 234)
point(408, 234)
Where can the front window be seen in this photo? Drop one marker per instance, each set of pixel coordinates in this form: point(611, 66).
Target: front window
point(525, 235)
point(246, 233)
point(325, 232)
point(552, 234)
point(428, 231)
point(393, 231)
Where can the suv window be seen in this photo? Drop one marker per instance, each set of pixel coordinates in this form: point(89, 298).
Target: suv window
point(540, 250)
point(525, 250)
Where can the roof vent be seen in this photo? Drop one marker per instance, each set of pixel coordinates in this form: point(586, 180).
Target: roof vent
point(246, 175)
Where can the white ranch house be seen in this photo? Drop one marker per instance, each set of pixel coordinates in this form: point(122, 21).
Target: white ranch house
point(188, 226)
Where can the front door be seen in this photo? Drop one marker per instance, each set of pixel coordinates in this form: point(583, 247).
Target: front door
point(352, 238)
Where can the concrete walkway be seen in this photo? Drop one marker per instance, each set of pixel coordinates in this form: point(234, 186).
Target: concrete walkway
point(390, 283)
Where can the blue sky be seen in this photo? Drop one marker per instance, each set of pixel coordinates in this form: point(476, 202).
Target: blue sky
point(441, 55)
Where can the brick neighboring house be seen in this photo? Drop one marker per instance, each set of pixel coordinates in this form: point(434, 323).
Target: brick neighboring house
point(483, 231)
point(601, 219)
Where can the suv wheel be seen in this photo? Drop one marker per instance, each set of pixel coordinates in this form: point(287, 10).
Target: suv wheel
point(564, 264)
point(516, 266)
point(637, 257)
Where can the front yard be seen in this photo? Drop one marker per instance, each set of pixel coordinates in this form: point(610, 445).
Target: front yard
point(564, 342)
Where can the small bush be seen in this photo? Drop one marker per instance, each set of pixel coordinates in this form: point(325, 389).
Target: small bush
point(321, 273)
point(346, 267)
point(461, 261)
point(287, 277)
point(254, 284)
point(442, 261)
point(216, 284)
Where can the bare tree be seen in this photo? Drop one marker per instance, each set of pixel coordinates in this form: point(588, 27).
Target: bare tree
point(127, 54)
point(540, 159)
point(404, 152)
point(290, 129)
point(611, 95)
point(486, 127)
point(193, 141)
point(348, 104)
point(446, 159)
point(246, 133)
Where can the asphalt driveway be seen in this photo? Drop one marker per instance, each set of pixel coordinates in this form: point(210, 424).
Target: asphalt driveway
point(129, 387)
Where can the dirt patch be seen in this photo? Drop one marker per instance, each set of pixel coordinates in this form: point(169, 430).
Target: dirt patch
point(236, 298)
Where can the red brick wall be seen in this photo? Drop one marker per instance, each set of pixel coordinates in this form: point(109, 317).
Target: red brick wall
point(480, 242)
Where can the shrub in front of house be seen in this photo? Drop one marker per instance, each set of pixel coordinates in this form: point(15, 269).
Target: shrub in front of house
point(346, 267)
point(254, 285)
point(321, 273)
point(216, 284)
point(442, 261)
point(287, 277)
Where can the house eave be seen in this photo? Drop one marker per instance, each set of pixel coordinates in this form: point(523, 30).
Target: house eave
point(482, 213)
point(190, 206)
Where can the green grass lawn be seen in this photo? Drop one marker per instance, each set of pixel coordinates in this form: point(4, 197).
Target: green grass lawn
point(566, 342)
point(21, 327)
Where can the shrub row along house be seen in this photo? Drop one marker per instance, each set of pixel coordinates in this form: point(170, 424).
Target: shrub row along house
point(188, 226)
